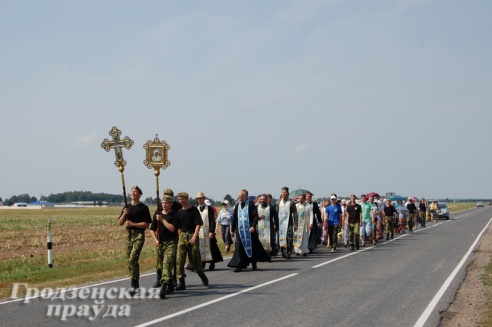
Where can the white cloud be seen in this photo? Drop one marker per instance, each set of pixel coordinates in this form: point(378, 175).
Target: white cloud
point(85, 139)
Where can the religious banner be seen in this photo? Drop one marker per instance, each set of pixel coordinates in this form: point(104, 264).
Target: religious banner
point(263, 227)
point(204, 239)
point(299, 233)
point(243, 228)
point(283, 216)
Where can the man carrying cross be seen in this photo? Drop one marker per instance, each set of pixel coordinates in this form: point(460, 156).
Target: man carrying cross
point(136, 218)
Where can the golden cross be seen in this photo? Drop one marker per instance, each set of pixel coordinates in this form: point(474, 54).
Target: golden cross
point(117, 144)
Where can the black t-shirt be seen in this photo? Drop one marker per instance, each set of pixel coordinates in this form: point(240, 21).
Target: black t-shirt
point(138, 214)
point(189, 219)
point(412, 208)
point(354, 211)
point(166, 234)
point(422, 206)
point(176, 206)
point(389, 211)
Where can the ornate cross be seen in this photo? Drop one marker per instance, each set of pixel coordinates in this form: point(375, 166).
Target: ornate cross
point(117, 144)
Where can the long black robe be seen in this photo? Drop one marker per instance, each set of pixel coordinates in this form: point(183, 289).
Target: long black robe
point(314, 232)
point(273, 231)
point(240, 259)
point(290, 227)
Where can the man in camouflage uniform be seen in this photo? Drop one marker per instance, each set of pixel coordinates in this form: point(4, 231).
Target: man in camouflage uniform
point(166, 243)
point(136, 218)
point(190, 222)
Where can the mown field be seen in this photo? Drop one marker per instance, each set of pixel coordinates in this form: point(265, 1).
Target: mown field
point(88, 246)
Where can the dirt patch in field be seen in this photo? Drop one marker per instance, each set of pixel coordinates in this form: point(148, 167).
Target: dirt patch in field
point(470, 303)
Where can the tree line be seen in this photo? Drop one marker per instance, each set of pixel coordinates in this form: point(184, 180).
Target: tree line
point(68, 197)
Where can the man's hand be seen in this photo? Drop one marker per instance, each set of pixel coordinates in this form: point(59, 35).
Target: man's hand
point(193, 239)
point(252, 230)
point(211, 235)
point(262, 216)
point(310, 226)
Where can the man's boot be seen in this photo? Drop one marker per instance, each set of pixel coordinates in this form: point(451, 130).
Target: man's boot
point(170, 288)
point(387, 236)
point(357, 244)
point(391, 235)
point(134, 287)
point(157, 283)
point(162, 292)
point(204, 279)
point(181, 285)
point(211, 266)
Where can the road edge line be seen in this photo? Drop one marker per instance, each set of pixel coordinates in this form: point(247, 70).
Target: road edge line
point(433, 303)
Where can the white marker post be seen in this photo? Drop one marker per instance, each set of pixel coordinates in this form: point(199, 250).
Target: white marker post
point(49, 246)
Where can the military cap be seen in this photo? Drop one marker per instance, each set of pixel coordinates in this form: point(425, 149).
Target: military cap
point(169, 192)
point(168, 199)
point(183, 195)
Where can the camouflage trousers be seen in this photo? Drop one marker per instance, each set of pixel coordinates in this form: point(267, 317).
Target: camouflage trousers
point(354, 233)
point(193, 252)
point(422, 218)
point(390, 227)
point(166, 259)
point(411, 221)
point(134, 245)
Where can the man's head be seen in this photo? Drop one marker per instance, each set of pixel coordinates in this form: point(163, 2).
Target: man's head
point(262, 199)
point(136, 193)
point(333, 199)
point(167, 202)
point(371, 199)
point(269, 198)
point(353, 198)
point(183, 198)
point(309, 196)
point(363, 198)
point(241, 196)
point(285, 192)
point(200, 197)
point(301, 198)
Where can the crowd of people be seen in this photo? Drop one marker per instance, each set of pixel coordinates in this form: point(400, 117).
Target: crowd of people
point(259, 228)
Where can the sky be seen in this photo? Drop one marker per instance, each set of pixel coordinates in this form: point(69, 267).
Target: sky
point(334, 96)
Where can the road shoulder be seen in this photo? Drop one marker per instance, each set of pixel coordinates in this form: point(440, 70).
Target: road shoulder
point(470, 303)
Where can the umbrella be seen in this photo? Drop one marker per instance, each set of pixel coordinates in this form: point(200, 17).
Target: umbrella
point(372, 194)
point(397, 198)
point(296, 193)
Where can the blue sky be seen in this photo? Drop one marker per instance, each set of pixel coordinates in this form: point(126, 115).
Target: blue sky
point(332, 96)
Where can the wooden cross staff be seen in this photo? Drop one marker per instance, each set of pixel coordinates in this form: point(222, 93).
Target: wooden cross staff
point(117, 144)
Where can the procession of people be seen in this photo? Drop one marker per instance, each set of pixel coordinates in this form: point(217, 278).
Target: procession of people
point(258, 229)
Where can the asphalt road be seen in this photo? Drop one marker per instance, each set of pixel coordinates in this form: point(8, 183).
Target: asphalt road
point(392, 284)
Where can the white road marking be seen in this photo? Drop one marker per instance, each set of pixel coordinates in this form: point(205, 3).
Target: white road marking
point(425, 315)
point(155, 321)
point(66, 289)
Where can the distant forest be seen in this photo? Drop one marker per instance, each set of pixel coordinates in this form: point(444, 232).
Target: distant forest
point(87, 196)
point(69, 197)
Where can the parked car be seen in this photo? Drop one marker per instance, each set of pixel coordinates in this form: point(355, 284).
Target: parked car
point(480, 205)
point(443, 211)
